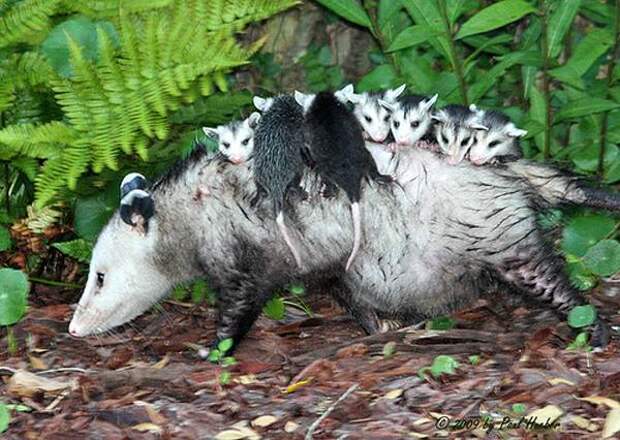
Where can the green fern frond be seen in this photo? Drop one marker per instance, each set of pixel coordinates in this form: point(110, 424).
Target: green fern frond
point(27, 21)
point(29, 69)
point(36, 141)
point(110, 8)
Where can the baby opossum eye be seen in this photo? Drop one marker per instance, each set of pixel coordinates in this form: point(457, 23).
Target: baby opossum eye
point(464, 142)
point(415, 124)
point(444, 138)
point(100, 277)
point(226, 145)
point(368, 118)
point(493, 144)
point(245, 141)
point(387, 118)
point(396, 124)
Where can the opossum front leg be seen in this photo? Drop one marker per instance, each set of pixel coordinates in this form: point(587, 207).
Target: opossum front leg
point(238, 308)
point(540, 274)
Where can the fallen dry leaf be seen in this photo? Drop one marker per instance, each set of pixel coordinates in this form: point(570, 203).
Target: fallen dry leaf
point(290, 427)
point(559, 380)
point(600, 400)
point(297, 385)
point(584, 423)
point(147, 427)
point(549, 412)
point(26, 384)
point(612, 423)
point(264, 421)
point(37, 363)
point(394, 394)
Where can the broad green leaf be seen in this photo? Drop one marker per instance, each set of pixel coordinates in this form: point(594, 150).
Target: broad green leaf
point(214, 355)
point(225, 345)
point(581, 316)
point(559, 23)
point(426, 12)
point(604, 258)
point(380, 78)
point(589, 49)
point(410, 36)
point(5, 417)
point(483, 44)
point(199, 291)
point(5, 239)
point(13, 295)
point(388, 349)
point(586, 156)
point(79, 249)
point(83, 32)
point(481, 87)
point(274, 308)
point(228, 361)
point(495, 16)
point(349, 10)
point(580, 342)
point(474, 359)
point(584, 107)
point(585, 231)
point(225, 377)
point(441, 323)
point(444, 364)
point(580, 276)
point(297, 289)
point(92, 213)
point(537, 112)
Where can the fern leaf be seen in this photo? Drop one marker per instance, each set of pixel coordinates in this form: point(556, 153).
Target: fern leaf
point(26, 22)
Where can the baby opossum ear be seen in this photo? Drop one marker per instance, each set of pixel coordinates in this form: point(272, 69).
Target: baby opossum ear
point(305, 101)
point(426, 105)
point(389, 106)
point(477, 126)
point(210, 132)
point(440, 117)
point(253, 119)
point(132, 181)
point(137, 207)
point(390, 95)
point(344, 94)
point(262, 104)
point(513, 131)
point(357, 98)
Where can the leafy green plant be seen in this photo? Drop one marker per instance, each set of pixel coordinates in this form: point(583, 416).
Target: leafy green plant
point(441, 323)
point(442, 364)
point(5, 417)
point(519, 408)
point(581, 317)
point(198, 291)
point(5, 239)
point(275, 308)
point(218, 355)
point(389, 349)
point(13, 300)
point(79, 249)
point(107, 80)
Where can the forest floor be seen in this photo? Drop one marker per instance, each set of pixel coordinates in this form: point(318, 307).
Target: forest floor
point(145, 381)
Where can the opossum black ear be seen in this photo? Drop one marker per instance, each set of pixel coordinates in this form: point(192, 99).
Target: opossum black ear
point(137, 207)
point(132, 181)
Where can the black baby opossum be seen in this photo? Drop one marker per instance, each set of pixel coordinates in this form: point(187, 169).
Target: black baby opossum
point(336, 145)
point(278, 162)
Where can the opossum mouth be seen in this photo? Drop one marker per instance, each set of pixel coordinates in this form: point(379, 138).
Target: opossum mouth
point(94, 325)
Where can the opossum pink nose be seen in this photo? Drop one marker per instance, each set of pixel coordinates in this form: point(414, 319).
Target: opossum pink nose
point(379, 139)
point(72, 330)
point(453, 160)
point(236, 160)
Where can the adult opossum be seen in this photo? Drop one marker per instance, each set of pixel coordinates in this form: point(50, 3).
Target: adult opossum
point(430, 249)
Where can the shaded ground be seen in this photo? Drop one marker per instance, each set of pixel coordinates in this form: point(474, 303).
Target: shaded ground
point(146, 382)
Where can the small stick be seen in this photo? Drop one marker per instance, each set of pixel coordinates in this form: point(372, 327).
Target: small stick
point(318, 421)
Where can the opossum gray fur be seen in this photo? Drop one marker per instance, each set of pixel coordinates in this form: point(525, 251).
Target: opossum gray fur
point(430, 249)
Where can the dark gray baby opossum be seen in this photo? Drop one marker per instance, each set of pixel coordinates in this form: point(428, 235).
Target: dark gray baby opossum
point(431, 246)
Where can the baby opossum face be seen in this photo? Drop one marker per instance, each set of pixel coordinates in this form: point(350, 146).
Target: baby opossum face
point(409, 123)
point(455, 132)
point(495, 143)
point(123, 280)
point(236, 139)
point(372, 115)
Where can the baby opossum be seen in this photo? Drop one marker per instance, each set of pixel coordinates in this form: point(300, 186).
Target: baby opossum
point(235, 140)
point(411, 118)
point(278, 160)
point(500, 143)
point(455, 129)
point(336, 145)
point(372, 115)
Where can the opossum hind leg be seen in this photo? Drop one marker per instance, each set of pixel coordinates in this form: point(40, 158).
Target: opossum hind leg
point(540, 274)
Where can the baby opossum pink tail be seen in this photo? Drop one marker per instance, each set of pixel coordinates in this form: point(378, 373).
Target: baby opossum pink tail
point(357, 233)
point(287, 238)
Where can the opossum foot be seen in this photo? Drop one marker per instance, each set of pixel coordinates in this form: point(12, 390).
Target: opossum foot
point(600, 334)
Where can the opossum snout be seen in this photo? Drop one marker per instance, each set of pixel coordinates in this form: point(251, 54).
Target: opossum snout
point(236, 159)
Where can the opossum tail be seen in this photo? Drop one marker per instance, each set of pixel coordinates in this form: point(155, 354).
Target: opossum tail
point(600, 199)
point(287, 237)
point(357, 233)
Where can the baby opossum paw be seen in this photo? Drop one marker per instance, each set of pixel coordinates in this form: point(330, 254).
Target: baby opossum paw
point(600, 334)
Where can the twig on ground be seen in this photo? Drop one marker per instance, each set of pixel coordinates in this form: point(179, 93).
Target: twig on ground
point(318, 421)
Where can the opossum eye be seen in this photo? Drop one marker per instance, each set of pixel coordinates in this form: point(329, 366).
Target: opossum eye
point(226, 145)
point(100, 277)
point(368, 118)
point(396, 124)
point(245, 141)
point(387, 118)
point(415, 124)
point(444, 138)
point(493, 144)
point(464, 142)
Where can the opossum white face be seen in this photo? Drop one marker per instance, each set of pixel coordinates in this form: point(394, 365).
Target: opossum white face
point(236, 139)
point(494, 143)
point(410, 124)
point(455, 137)
point(123, 280)
point(372, 115)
